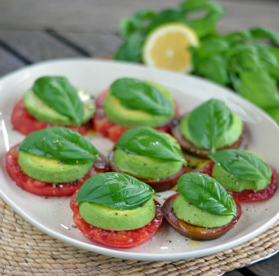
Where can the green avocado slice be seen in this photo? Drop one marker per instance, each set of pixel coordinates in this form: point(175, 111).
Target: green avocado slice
point(196, 216)
point(233, 183)
point(135, 118)
point(231, 136)
point(51, 170)
point(38, 109)
point(118, 220)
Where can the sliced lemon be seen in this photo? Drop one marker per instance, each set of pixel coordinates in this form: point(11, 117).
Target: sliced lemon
point(166, 47)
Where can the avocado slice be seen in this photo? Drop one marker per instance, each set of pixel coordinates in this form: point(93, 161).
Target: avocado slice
point(111, 219)
point(196, 216)
point(38, 109)
point(229, 138)
point(135, 118)
point(233, 183)
point(51, 170)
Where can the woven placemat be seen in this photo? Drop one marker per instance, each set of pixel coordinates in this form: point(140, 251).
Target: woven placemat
point(25, 250)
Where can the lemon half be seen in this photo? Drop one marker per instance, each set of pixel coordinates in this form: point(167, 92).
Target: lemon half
point(166, 47)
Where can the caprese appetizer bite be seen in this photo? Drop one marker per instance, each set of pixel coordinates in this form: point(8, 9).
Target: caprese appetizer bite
point(53, 101)
point(244, 174)
point(54, 161)
point(150, 156)
point(208, 128)
point(202, 209)
point(116, 210)
point(130, 103)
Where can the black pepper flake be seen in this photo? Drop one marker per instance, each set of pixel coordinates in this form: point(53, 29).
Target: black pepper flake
point(77, 181)
point(46, 197)
point(74, 226)
point(116, 213)
point(144, 164)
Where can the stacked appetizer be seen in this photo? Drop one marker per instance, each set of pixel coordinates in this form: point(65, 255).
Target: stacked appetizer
point(246, 175)
point(53, 101)
point(149, 155)
point(118, 208)
point(132, 103)
point(202, 209)
point(208, 128)
point(54, 161)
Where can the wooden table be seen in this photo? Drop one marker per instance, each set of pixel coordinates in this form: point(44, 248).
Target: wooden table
point(32, 31)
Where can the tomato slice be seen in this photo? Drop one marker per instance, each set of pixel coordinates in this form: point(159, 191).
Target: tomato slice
point(159, 185)
point(25, 123)
point(187, 146)
point(41, 188)
point(250, 195)
point(129, 238)
point(108, 129)
point(194, 231)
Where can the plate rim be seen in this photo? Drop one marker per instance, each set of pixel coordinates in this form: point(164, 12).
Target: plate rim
point(112, 251)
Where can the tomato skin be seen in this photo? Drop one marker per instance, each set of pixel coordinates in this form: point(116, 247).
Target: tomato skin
point(250, 195)
point(194, 231)
point(25, 123)
point(41, 188)
point(122, 239)
point(108, 129)
point(159, 185)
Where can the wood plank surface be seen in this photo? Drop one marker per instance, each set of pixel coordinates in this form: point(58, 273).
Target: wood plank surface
point(36, 45)
point(8, 62)
point(102, 16)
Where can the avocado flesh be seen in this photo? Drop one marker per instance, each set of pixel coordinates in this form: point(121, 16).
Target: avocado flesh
point(41, 111)
point(196, 216)
point(118, 220)
point(51, 170)
point(231, 135)
point(145, 167)
point(135, 118)
point(233, 183)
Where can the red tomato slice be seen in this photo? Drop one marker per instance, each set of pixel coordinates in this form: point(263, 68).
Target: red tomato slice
point(25, 123)
point(194, 231)
point(108, 129)
point(129, 238)
point(250, 195)
point(41, 188)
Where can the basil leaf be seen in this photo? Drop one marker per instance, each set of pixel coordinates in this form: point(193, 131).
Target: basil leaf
point(264, 33)
point(146, 141)
point(242, 164)
point(259, 88)
point(59, 94)
point(130, 50)
point(208, 123)
point(115, 190)
point(60, 143)
point(206, 193)
point(139, 95)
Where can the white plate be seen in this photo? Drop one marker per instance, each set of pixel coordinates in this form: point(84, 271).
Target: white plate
point(53, 215)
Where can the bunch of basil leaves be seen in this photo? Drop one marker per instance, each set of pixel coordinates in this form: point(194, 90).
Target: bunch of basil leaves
point(247, 61)
point(135, 29)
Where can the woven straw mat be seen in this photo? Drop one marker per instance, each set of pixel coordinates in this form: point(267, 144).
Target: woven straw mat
point(24, 250)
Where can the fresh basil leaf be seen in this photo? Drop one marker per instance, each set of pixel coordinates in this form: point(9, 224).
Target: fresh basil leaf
point(205, 25)
point(237, 36)
point(115, 190)
point(130, 50)
point(146, 141)
point(213, 68)
point(208, 123)
point(60, 143)
point(59, 94)
point(206, 193)
point(259, 88)
point(166, 16)
point(264, 33)
point(135, 94)
point(242, 164)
